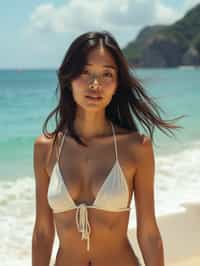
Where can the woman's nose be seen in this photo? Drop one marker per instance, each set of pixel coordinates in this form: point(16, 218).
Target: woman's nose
point(94, 82)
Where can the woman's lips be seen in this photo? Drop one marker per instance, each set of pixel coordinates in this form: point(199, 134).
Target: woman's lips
point(94, 98)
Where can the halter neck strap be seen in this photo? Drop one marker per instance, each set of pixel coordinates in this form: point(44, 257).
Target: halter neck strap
point(114, 137)
point(115, 141)
point(62, 142)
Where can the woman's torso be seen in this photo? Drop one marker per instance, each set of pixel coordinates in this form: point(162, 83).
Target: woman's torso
point(83, 171)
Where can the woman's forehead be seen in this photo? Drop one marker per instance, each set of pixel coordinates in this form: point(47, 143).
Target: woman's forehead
point(101, 56)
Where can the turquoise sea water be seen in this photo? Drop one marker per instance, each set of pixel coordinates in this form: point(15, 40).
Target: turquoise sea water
point(28, 96)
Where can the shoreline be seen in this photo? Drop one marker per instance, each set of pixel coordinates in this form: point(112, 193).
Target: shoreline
point(180, 233)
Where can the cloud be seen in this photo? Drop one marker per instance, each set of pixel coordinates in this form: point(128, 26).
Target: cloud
point(51, 27)
point(166, 14)
point(47, 18)
point(189, 4)
point(123, 18)
point(77, 15)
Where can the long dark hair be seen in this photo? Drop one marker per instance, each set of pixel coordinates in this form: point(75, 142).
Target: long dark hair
point(130, 102)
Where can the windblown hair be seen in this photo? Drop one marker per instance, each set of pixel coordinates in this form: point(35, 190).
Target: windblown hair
point(128, 104)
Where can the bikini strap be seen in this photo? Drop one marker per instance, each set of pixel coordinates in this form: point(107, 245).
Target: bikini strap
point(115, 141)
point(61, 144)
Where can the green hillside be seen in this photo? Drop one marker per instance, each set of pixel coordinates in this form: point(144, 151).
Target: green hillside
point(168, 46)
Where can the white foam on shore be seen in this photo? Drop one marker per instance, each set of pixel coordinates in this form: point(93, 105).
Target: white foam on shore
point(16, 220)
point(176, 181)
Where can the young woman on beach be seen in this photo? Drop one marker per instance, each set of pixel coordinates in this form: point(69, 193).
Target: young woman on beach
point(90, 166)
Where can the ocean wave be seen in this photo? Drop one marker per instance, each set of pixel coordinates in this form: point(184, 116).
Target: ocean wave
point(176, 181)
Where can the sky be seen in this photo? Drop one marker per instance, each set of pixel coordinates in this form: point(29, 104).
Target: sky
point(37, 33)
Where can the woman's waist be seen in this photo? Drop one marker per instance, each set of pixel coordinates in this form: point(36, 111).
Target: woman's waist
point(98, 237)
point(107, 254)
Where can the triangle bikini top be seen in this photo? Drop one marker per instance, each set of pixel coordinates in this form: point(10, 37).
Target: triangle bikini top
point(113, 194)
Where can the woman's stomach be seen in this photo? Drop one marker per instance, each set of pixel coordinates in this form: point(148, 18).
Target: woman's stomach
point(103, 254)
point(109, 244)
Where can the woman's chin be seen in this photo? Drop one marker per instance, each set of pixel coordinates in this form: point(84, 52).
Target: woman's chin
point(92, 107)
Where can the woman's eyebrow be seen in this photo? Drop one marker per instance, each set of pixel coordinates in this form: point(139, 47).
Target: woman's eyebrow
point(108, 66)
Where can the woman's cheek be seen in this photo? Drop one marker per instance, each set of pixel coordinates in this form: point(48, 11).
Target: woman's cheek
point(110, 91)
point(78, 83)
point(78, 87)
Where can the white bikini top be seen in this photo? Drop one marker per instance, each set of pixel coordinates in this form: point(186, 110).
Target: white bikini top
point(113, 194)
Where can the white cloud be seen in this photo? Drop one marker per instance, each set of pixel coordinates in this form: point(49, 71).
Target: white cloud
point(189, 4)
point(47, 17)
point(78, 15)
point(166, 14)
point(124, 18)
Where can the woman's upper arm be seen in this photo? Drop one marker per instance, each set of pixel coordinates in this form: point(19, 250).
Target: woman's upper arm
point(144, 190)
point(43, 214)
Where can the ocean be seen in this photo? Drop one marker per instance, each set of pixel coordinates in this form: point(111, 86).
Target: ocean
point(28, 96)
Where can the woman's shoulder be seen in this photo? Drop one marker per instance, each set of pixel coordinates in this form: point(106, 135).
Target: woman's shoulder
point(142, 140)
point(141, 146)
point(136, 142)
point(44, 143)
point(134, 137)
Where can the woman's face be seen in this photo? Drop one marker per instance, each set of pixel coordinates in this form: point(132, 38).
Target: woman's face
point(94, 87)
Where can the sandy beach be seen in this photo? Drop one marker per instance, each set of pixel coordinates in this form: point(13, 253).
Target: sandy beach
point(181, 236)
point(194, 261)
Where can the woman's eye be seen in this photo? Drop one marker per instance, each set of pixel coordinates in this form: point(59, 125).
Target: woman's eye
point(85, 72)
point(107, 74)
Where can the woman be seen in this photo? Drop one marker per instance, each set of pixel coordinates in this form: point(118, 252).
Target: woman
point(90, 166)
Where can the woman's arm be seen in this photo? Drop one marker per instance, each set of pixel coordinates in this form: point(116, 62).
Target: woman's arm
point(148, 234)
point(44, 231)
